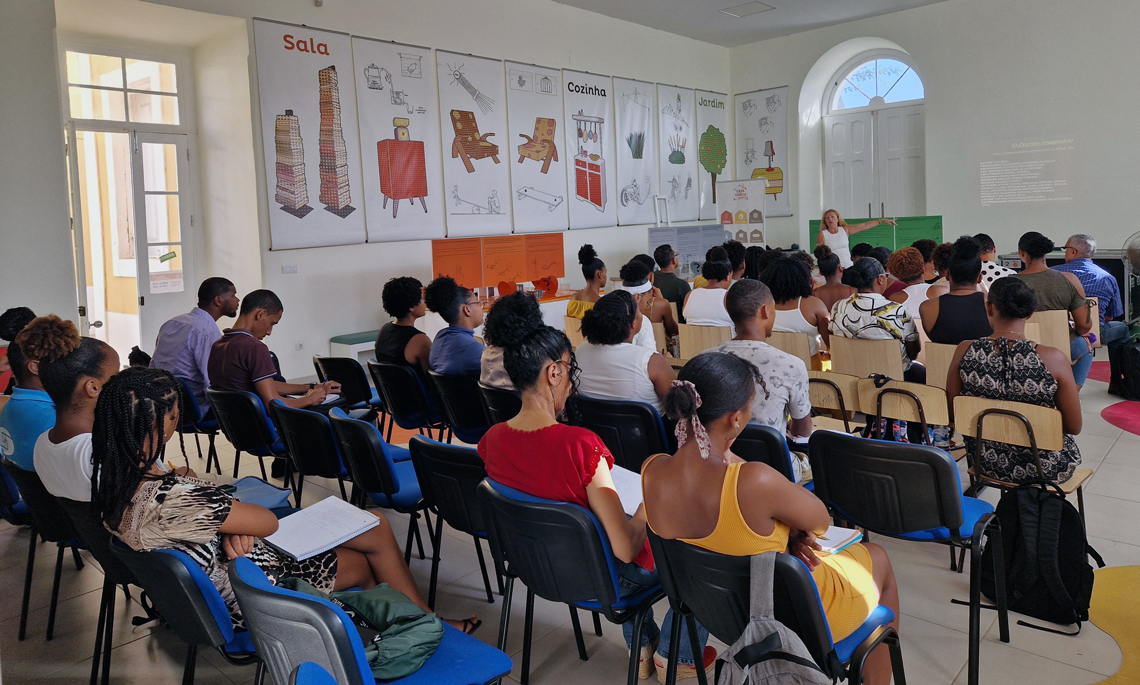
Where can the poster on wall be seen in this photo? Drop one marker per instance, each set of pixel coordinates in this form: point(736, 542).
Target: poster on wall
point(309, 136)
point(740, 209)
point(590, 153)
point(536, 148)
point(399, 141)
point(473, 130)
point(762, 143)
point(677, 147)
point(712, 148)
point(689, 242)
point(636, 118)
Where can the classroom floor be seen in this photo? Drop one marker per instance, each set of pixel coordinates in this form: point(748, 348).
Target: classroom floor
point(933, 630)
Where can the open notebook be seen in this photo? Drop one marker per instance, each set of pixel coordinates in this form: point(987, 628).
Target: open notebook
point(320, 527)
point(628, 485)
point(837, 539)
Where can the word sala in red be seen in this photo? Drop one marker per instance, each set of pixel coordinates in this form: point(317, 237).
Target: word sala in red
point(303, 46)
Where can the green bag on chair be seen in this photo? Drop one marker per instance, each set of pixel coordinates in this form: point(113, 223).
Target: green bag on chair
point(398, 636)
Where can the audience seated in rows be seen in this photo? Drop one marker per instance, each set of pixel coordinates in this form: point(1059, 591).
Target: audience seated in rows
point(738, 508)
point(882, 254)
point(906, 265)
point(832, 290)
point(705, 306)
point(870, 316)
point(1006, 366)
point(797, 310)
point(29, 412)
point(735, 255)
point(925, 247)
point(455, 351)
point(782, 386)
point(184, 342)
point(672, 287)
point(514, 311)
point(594, 271)
point(1058, 291)
point(960, 314)
point(637, 280)
point(941, 260)
point(399, 341)
point(240, 360)
point(534, 453)
point(991, 270)
point(613, 368)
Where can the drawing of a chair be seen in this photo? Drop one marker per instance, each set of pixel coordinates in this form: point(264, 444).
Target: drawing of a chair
point(468, 144)
point(540, 147)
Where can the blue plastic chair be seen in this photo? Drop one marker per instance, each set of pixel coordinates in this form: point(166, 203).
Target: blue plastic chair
point(289, 628)
point(313, 449)
point(246, 424)
point(407, 400)
point(199, 421)
point(562, 553)
point(363, 401)
point(311, 673)
point(632, 430)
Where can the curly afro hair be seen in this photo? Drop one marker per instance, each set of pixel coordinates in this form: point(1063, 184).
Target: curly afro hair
point(926, 247)
point(528, 344)
point(401, 295)
point(735, 251)
point(591, 264)
point(610, 320)
point(64, 356)
point(716, 266)
point(13, 321)
point(635, 272)
point(514, 312)
point(787, 279)
point(828, 261)
point(965, 262)
point(941, 258)
point(444, 297)
point(861, 250)
point(906, 264)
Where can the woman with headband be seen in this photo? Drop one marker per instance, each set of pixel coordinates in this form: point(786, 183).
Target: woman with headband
point(637, 280)
point(744, 508)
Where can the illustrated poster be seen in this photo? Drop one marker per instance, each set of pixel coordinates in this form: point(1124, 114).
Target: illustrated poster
point(537, 148)
point(712, 148)
point(762, 143)
point(309, 136)
point(677, 146)
point(590, 152)
point(476, 148)
point(399, 140)
point(740, 209)
point(636, 150)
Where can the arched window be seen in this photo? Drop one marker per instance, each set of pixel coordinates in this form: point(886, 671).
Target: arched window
point(874, 82)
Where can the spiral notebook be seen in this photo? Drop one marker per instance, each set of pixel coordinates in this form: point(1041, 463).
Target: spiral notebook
point(319, 528)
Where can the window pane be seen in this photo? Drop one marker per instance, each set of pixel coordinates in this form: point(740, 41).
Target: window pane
point(909, 87)
point(153, 109)
point(93, 103)
point(164, 258)
point(162, 221)
point(160, 167)
point(849, 96)
point(94, 70)
point(888, 72)
point(144, 75)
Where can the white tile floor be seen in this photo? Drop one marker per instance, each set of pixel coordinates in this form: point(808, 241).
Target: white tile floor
point(933, 629)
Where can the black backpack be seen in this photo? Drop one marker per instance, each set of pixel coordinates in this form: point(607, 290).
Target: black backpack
point(1047, 572)
point(1124, 362)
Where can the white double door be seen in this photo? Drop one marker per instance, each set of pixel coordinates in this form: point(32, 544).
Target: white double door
point(874, 162)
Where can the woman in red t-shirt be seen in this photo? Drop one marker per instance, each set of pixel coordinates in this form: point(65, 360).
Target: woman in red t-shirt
point(535, 454)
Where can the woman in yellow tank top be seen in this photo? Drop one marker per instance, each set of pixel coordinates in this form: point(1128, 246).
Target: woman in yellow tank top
point(594, 271)
point(740, 508)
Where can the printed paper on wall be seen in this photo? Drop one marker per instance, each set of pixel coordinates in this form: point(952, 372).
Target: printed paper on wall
point(590, 152)
point(712, 148)
point(536, 148)
point(636, 116)
point(762, 143)
point(677, 145)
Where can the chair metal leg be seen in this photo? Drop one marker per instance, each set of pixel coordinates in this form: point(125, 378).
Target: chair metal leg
point(504, 620)
point(28, 584)
point(391, 424)
point(259, 676)
point(300, 485)
point(695, 645)
point(212, 454)
point(1081, 502)
point(198, 446)
point(635, 644)
point(343, 492)
point(994, 535)
point(261, 463)
point(436, 545)
point(482, 564)
point(55, 590)
point(528, 627)
point(105, 599)
point(237, 460)
point(408, 543)
point(578, 633)
point(597, 624)
point(671, 669)
point(895, 647)
point(108, 640)
point(77, 558)
point(416, 530)
point(975, 613)
point(191, 664)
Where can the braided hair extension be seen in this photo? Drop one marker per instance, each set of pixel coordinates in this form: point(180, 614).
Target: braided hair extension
point(132, 408)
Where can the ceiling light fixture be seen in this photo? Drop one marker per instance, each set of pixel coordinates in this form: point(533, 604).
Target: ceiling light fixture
point(747, 9)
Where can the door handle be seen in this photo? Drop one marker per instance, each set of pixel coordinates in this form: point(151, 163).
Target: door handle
point(96, 324)
point(882, 210)
point(868, 209)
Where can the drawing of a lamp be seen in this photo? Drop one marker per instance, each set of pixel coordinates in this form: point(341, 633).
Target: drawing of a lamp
point(769, 152)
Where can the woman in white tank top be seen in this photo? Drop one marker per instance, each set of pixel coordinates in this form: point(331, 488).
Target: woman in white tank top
point(797, 310)
point(612, 367)
point(834, 232)
point(705, 306)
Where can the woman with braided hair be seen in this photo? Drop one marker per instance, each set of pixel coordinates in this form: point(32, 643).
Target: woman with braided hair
point(744, 508)
point(148, 506)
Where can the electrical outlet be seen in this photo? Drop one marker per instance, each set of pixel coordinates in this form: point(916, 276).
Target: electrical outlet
point(299, 346)
point(288, 268)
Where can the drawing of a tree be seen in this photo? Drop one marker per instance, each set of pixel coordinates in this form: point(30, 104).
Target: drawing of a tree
point(713, 153)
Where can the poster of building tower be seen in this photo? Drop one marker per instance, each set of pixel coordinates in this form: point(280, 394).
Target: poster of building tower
point(292, 194)
point(335, 192)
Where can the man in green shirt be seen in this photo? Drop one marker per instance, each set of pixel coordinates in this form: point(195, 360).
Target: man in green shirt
point(673, 288)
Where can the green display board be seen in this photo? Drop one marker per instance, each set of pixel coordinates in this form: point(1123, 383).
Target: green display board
point(909, 229)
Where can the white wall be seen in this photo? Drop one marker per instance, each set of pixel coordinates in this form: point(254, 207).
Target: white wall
point(35, 235)
point(993, 71)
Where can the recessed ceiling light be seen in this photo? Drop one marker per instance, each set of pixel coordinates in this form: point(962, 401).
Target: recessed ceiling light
point(747, 9)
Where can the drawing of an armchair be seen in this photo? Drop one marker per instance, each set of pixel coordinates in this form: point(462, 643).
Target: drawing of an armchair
point(540, 147)
point(468, 144)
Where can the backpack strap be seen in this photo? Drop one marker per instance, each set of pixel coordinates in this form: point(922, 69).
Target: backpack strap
point(1047, 550)
point(1028, 514)
point(1095, 555)
point(767, 650)
point(762, 576)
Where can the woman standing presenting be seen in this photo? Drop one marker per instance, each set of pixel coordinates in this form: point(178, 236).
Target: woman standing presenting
point(831, 235)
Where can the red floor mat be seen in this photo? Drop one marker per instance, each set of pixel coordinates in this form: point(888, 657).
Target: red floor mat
point(1123, 415)
point(1099, 372)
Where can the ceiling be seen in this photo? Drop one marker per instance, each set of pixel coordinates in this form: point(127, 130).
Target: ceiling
point(139, 21)
point(703, 20)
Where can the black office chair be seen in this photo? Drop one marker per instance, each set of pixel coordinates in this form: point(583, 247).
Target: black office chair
point(501, 405)
point(199, 421)
point(448, 476)
point(911, 492)
point(714, 588)
point(191, 605)
point(562, 554)
point(49, 522)
point(311, 444)
point(406, 399)
point(632, 430)
point(462, 406)
point(248, 428)
point(764, 444)
point(354, 388)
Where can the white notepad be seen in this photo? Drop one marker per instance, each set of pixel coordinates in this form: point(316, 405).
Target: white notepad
point(320, 527)
point(331, 397)
point(837, 539)
point(628, 485)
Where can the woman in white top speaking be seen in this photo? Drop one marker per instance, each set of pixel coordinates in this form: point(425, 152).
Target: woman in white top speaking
point(613, 368)
point(834, 232)
point(705, 306)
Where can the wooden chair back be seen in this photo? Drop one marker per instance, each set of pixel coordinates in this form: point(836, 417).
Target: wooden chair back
point(673, 306)
point(931, 404)
point(697, 339)
point(573, 328)
point(823, 395)
point(1094, 316)
point(659, 338)
point(1033, 332)
point(795, 344)
point(1046, 422)
point(938, 358)
point(1054, 330)
point(861, 358)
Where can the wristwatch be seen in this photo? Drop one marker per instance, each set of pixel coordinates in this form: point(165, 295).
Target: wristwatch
point(312, 385)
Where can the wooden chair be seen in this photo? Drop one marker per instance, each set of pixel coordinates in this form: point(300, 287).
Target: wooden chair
point(938, 358)
point(660, 339)
point(697, 339)
point(468, 143)
point(1033, 332)
point(902, 401)
point(1054, 330)
point(833, 391)
point(573, 328)
point(861, 358)
point(795, 344)
point(1094, 316)
point(1014, 423)
point(541, 146)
